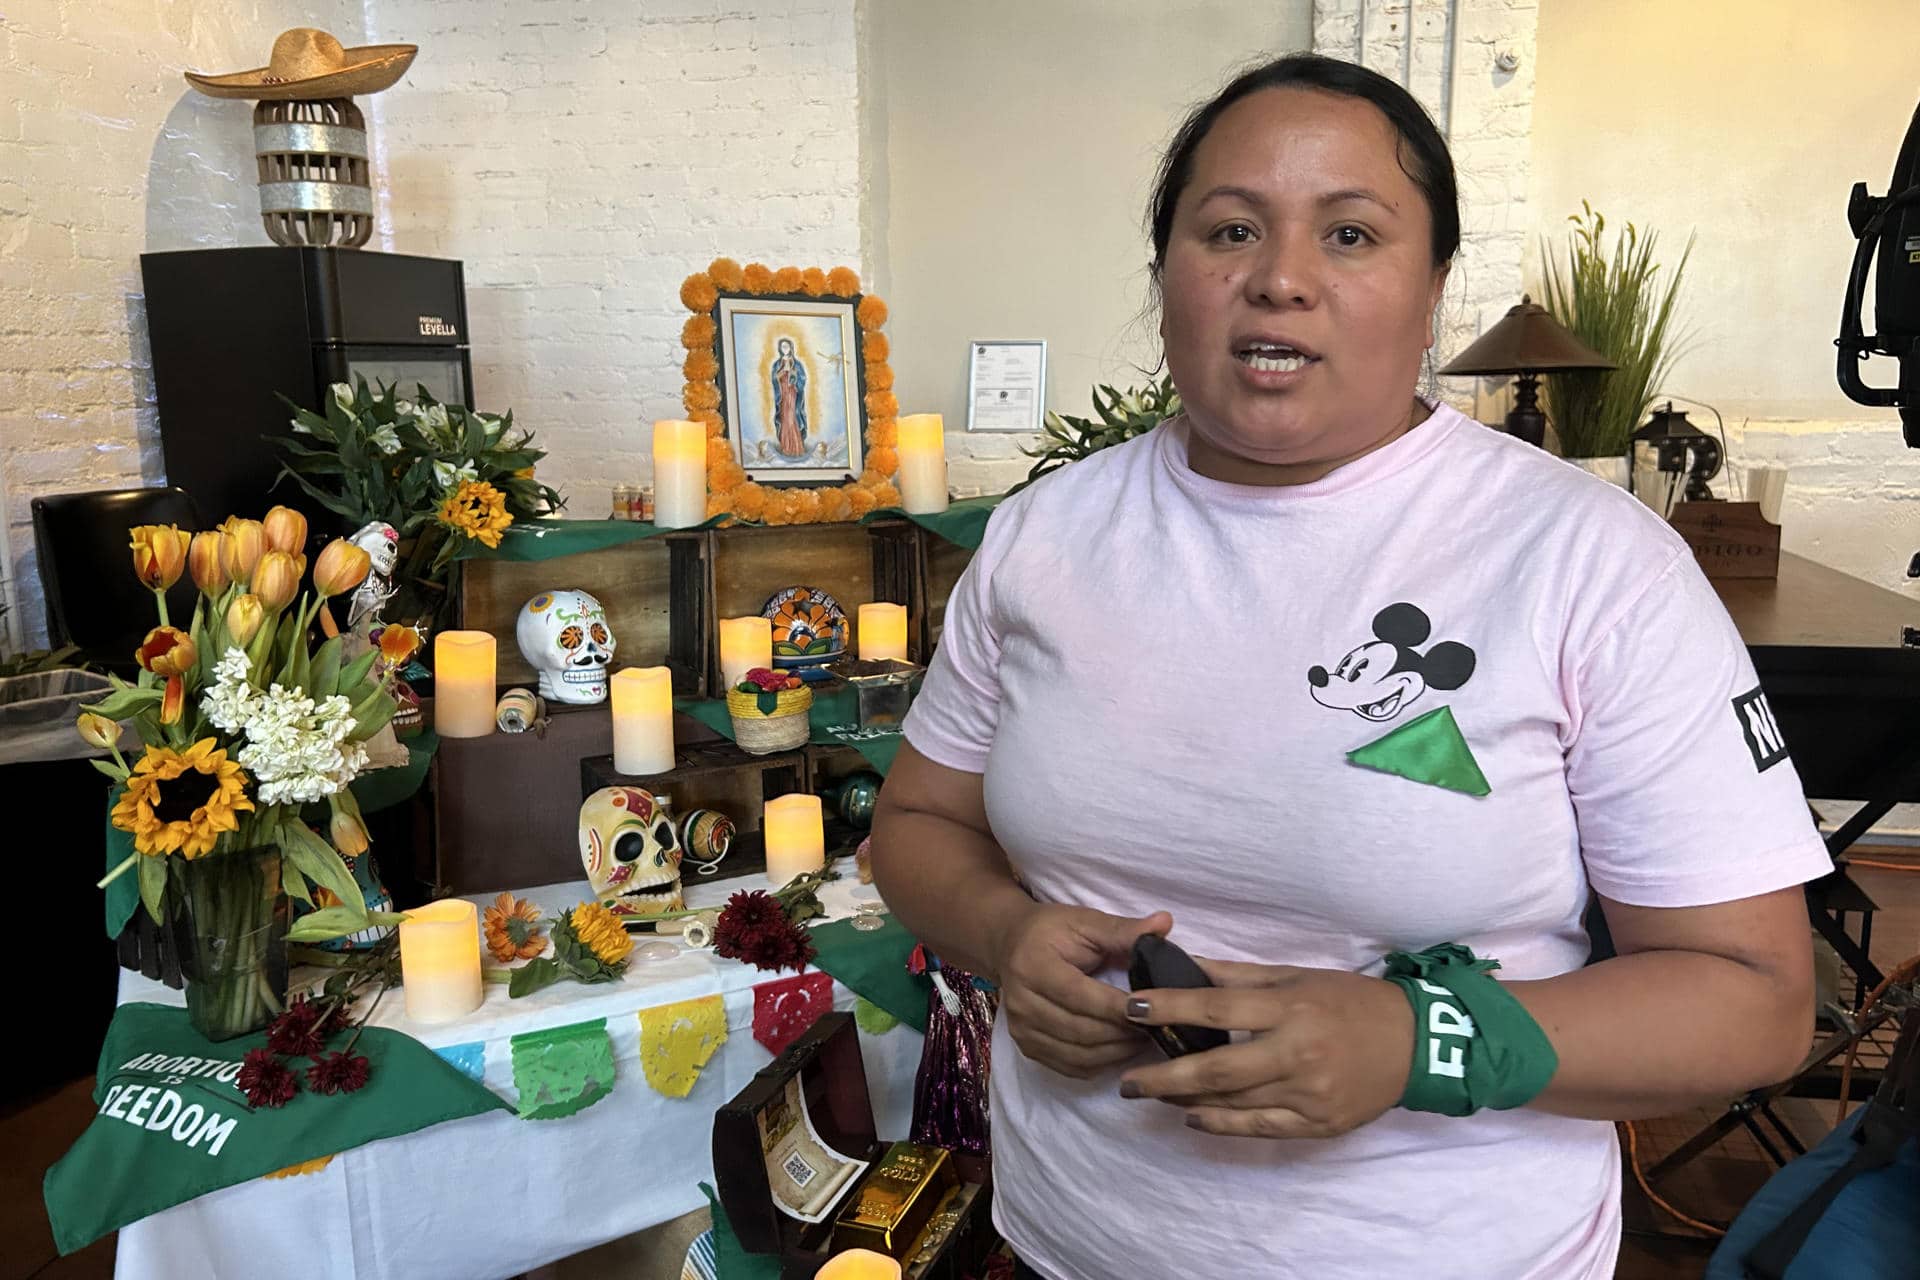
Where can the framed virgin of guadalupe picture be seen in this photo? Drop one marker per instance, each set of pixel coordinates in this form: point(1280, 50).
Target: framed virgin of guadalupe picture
point(791, 388)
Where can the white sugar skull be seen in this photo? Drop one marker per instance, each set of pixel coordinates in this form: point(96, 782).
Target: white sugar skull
point(382, 544)
point(630, 851)
point(565, 637)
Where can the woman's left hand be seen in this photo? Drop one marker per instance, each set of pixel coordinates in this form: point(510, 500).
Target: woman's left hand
point(1330, 1051)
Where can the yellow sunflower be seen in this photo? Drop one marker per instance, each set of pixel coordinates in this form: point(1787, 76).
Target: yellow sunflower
point(600, 933)
point(478, 510)
point(182, 801)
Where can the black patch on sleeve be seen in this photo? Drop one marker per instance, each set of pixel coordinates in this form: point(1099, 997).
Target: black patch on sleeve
point(1760, 729)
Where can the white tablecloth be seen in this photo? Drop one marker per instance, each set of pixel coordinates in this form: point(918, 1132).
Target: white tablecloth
point(495, 1195)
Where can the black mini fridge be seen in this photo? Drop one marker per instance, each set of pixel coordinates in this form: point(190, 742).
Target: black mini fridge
point(235, 329)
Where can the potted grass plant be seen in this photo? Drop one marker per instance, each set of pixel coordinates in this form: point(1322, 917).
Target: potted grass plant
point(1619, 300)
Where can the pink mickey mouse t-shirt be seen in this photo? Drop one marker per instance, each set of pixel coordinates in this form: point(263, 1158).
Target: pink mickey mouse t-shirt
point(1432, 697)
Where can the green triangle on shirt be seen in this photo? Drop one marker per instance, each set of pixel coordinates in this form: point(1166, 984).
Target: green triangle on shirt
point(1428, 749)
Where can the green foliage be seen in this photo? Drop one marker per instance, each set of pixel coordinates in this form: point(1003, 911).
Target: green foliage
point(1612, 298)
point(36, 661)
point(376, 456)
point(1121, 417)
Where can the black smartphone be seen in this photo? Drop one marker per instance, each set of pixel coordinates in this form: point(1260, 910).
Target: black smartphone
point(1159, 965)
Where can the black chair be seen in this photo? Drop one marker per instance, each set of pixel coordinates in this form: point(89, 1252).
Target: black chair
point(86, 570)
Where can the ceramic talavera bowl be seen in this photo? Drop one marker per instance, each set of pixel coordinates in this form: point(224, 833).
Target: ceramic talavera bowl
point(809, 627)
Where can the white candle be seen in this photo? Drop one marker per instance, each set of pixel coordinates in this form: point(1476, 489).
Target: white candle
point(923, 464)
point(679, 474)
point(463, 684)
point(796, 838)
point(745, 643)
point(883, 632)
point(642, 720)
point(440, 960)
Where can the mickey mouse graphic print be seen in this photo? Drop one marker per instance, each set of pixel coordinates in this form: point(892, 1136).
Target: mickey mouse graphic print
point(1444, 694)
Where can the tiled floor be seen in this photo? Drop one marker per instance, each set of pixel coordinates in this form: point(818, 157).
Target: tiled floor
point(1657, 1248)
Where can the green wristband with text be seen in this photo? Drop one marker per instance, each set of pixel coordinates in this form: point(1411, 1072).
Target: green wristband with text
point(1474, 1045)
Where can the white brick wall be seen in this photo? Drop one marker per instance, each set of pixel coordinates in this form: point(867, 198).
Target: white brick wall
point(105, 153)
point(582, 157)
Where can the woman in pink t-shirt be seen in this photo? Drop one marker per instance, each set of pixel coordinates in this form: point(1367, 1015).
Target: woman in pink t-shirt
point(1314, 674)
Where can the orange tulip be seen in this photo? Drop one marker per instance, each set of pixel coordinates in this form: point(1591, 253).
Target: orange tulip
point(97, 731)
point(240, 552)
point(204, 560)
point(286, 530)
point(244, 617)
point(169, 652)
point(340, 568)
point(349, 833)
point(159, 554)
point(276, 580)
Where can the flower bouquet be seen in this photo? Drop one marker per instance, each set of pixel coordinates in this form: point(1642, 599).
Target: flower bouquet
point(445, 477)
point(247, 728)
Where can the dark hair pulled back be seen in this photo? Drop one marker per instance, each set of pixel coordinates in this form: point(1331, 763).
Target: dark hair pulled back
point(1423, 153)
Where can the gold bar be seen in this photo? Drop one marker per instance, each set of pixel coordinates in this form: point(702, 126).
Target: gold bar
point(897, 1199)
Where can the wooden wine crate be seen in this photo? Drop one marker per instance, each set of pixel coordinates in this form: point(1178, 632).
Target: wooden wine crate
point(630, 581)
point(731, 573)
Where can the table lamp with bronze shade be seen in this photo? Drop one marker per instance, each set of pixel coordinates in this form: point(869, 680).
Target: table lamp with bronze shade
point(1526, 342)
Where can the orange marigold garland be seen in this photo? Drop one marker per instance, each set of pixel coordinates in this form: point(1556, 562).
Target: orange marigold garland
point(729, 492)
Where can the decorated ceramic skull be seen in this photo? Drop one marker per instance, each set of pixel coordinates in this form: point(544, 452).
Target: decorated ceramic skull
point(630, 851)
point(564, 636)
point(381, 542)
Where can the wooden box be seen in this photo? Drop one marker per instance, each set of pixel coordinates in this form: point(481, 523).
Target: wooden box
point(1729, 539)
point(718, 775)
point(731, 573)
point(631, 581)
point(822, 1075)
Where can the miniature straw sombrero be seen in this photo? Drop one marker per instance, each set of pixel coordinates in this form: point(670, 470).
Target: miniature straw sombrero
point(310, 64)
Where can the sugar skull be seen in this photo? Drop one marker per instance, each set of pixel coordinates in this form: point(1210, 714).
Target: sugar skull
point(565, 637)
point(630, 851)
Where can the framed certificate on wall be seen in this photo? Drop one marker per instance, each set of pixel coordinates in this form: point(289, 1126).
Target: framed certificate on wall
point(1007, 385)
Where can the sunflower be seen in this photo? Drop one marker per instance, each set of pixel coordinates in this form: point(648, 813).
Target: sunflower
point(599, 932)
point(478, 510)
point(182, 801)
point(512, 929)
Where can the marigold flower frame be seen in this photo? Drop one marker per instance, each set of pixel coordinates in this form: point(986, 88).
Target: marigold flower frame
point(871, 410)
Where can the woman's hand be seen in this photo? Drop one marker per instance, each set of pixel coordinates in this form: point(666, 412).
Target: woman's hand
point(1330, 1051)
point(1061, 1017)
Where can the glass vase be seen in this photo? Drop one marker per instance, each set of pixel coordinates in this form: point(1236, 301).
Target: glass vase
point(235, 916)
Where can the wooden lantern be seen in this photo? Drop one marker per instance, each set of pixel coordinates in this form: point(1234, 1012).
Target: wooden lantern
point(314, 183)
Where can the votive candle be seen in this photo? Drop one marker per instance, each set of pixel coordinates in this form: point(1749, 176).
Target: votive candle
point(463, 684)
point(796, 837)
point(745, 644)
point(923, 464)
point(883, 632)
point(859, 1264)
point(679, 474)
point(440, 960)
point(642, 720)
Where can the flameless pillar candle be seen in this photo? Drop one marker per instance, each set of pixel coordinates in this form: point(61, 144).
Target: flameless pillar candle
point(923, 464)
point(796, 838)
point(859, 1264)
point(679, 474)
point(745, 643)
point(440, 960)
point(463, 677)
point(642, 720)
point(883, 632)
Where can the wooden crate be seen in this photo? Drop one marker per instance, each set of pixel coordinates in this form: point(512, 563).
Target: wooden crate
point(731, 573)
point(944, 564)
point(631, 581)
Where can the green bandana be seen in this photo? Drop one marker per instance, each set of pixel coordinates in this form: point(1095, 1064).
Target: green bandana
point(1429, 749)
point(1474, 1045)
point(172, 1124)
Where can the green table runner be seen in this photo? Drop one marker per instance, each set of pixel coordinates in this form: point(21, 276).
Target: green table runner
point(832, 722)
point(172, 1125)
point(874, 964)
point(963, 523)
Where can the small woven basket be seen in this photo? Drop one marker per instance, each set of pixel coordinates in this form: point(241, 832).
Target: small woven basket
point(760, 733)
